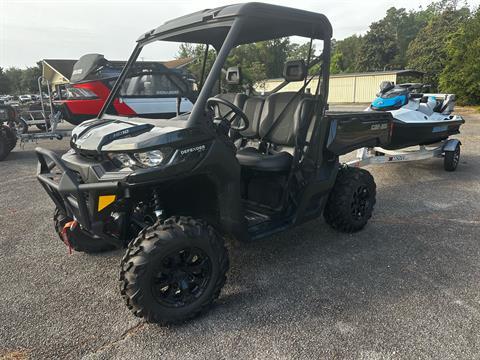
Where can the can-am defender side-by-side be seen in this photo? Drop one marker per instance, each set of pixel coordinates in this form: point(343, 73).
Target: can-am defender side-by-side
point(172, 190)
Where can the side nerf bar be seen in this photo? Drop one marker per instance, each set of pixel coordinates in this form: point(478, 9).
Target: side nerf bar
point(61, 191)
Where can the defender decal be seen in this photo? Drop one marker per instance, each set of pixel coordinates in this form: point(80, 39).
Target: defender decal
point(199, 148)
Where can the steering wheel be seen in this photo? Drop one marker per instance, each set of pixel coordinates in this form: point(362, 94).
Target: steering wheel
point(215, 101)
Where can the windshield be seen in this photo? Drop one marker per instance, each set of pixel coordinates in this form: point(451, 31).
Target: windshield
point(157, 85)
point(167, 77)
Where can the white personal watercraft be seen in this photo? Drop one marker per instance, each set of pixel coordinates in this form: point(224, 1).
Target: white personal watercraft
point(418, 119)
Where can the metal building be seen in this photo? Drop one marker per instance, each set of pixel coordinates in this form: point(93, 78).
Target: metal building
point(348, 88)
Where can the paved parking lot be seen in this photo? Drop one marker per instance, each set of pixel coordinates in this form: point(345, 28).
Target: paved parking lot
point(408, 286)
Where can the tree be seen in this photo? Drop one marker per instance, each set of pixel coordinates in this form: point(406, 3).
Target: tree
point(4, 83)
point(404, 26)
point(379, 48)
point(197, 53)
point(336, 63)
point(461, 74)
point(29, 78)
point(259, 61)
point(14, 76)
point(349, 48)
point(428, 51)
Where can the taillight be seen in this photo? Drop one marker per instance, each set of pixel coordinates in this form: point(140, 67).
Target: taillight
point(80, 93)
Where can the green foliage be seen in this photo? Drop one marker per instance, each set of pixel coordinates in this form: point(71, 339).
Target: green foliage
point(379, 48)
point(461, 74)
point(197, 52)
point(348, 50)
point(336, 63)
point(428, 51)
point(29, 78)
point(259, 61)
point(4, 83)
point(14, 76)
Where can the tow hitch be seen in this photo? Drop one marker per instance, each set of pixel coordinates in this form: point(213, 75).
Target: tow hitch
point(69, 225)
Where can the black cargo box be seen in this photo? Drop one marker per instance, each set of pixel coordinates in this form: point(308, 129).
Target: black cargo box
point(349, 131)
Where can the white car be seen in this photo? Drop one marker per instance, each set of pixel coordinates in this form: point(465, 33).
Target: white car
point(25, 98)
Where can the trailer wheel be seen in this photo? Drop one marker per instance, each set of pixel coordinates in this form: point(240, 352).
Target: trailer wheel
point(451, 159)
point(4, 143)
point(78, 239)
point(174, 270)
point(351, 201)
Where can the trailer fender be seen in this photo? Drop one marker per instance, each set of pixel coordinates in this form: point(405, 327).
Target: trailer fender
point(451, 144)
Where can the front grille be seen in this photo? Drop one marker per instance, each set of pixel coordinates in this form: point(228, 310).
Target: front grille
point(78, 177)
point(94, 157)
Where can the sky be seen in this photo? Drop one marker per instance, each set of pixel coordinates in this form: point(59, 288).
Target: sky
point(66, 29)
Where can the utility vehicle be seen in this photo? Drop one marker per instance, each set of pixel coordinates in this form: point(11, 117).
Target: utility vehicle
point(172, 190)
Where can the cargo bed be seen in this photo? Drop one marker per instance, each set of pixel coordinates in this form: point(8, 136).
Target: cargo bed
point(349, 131)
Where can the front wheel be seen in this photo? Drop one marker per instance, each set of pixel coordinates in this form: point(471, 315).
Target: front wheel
point(5, 142)
point(11, 137)
point(174, 270)
point(351, 201)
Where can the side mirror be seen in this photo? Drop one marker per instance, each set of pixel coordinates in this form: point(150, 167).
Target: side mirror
point(234, 75)
point(294, 70)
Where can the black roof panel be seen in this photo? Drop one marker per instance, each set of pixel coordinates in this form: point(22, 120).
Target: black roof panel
point(263, 22)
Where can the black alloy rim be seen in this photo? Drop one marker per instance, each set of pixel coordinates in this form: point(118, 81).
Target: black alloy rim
point(360, 202)
point(182, 277)
point(456, 156)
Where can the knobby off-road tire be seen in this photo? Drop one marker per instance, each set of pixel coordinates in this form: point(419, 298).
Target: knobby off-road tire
point(174, 270)
point(5, 143)
point(452, 158)
point(79, 240)
point(12, 138)
point(351, 201)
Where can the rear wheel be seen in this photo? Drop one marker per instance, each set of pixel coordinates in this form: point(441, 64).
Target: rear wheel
point(79, 239)
point(174, 270)
point(351, 201)
point(452, 158)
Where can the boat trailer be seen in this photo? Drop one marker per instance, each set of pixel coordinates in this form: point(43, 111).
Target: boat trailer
point(448, 149)
point(14, 125)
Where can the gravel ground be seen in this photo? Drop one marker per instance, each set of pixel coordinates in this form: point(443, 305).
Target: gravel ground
point(407, 286)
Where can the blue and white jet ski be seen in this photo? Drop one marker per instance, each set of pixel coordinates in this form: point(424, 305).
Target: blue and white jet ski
point(418, 119)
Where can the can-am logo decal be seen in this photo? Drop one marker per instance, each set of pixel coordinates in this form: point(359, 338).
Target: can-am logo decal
point(194, 149)
point(379, 126)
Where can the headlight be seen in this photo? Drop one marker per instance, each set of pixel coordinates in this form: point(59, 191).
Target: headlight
point(122, 160)
point(150, 158)
point(144, 159)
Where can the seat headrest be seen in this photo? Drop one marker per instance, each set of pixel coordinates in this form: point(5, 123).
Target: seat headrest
point(294, 70)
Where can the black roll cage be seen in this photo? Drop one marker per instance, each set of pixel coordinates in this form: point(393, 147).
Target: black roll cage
point(226, 27)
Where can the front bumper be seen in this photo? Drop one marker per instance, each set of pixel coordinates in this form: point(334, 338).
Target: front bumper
point(79, 201)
